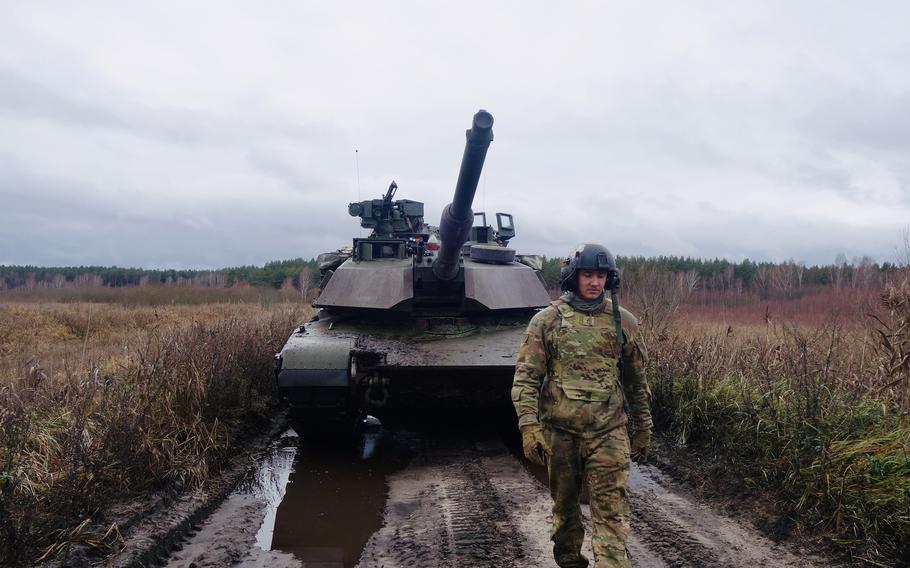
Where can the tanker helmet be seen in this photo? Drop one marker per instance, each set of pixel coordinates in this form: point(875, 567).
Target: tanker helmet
point(588, 256)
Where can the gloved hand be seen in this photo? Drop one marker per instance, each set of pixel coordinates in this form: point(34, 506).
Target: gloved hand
point(534, 445)
point(641, 445)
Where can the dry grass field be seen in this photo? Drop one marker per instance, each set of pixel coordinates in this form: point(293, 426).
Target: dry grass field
point(104, 401)
point(109, 394)
point(810, 408)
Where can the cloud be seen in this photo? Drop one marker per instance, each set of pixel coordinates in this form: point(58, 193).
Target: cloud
point(221, 135)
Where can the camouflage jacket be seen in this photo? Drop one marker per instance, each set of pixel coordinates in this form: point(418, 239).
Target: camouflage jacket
point(566, 374)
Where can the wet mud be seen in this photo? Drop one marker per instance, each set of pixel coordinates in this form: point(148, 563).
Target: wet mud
point(446, 510)
point(335, 498)
point(460, 496)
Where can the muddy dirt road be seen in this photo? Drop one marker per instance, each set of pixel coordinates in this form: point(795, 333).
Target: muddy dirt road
point(425, 499)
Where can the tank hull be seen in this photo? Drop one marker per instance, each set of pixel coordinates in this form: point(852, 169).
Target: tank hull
point(340, 367)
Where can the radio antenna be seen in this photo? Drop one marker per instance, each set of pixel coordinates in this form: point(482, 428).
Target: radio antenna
point(357, 176)
point(357, 170)
point(484, 192)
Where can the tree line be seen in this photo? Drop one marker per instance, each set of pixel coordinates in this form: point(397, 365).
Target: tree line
point(764, 278)
point(274, 274)
point(707, 275)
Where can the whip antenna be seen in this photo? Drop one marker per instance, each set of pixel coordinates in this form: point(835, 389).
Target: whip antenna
point(484, 192)
point(357, 176)
point(357, 170)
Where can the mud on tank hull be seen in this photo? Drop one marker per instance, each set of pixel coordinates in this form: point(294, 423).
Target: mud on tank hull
point(335, 370)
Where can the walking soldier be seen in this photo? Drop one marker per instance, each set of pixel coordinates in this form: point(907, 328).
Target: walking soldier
point(578, 381)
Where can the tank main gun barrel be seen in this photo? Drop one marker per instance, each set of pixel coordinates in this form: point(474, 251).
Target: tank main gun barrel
point(457, 217)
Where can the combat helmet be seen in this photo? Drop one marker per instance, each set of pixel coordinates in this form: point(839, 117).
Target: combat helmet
point(589, 256)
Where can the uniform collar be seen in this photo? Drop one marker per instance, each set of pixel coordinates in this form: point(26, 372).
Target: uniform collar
point(582, 305)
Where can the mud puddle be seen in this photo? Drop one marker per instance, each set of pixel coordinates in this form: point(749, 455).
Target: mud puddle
point(269, 483)
point(304, 504)
point(335, 499)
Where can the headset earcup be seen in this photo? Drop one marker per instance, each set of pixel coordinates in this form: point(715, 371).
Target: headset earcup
point(567, 278)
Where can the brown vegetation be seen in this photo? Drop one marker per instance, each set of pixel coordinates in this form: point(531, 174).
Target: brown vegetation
point(108, 393)
point(153, 295)
point(100, 403)
point(806, 400)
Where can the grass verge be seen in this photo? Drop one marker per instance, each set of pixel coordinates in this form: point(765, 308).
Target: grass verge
point(163, 409)
point(817, 417)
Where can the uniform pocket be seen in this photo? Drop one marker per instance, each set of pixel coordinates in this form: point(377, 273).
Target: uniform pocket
point(586, 390)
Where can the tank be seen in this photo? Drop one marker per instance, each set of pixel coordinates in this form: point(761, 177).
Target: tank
point(415, 319)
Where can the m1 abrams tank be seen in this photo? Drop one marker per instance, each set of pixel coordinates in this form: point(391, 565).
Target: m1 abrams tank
point(415, 319)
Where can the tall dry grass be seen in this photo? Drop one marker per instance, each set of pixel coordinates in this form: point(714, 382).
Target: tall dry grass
point(102, 403)
point(154, 295)
point(818, 415)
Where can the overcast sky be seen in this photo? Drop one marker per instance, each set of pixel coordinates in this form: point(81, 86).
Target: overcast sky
point(210, 134)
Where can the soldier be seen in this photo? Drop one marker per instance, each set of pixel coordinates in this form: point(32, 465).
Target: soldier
point(574, 397)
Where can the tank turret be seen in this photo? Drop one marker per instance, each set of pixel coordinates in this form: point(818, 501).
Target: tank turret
point(415, 317)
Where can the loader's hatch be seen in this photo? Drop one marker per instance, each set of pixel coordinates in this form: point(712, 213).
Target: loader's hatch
point(372, 248)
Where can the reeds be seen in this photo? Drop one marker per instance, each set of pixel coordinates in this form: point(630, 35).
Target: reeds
point(154, 295)
point(816, 415)
point(154, 404)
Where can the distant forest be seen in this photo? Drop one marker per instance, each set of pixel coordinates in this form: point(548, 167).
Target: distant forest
point(274, 274)
point(764, 279)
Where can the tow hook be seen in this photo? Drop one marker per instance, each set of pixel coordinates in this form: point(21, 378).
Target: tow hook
point(377, 392)
point(278, 363)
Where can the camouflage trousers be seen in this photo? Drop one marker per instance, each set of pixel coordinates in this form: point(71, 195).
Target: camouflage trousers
point(604, 463)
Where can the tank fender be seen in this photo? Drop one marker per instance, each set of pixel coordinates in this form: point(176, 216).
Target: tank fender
point(313, 361)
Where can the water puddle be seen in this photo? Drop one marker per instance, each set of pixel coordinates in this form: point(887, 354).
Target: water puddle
point(324, 501)
point(271, 482)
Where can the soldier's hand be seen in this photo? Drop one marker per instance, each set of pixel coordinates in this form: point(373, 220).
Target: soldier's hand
point(534, 445)
point(641, 445)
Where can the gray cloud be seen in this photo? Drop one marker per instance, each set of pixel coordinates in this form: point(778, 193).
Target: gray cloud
point(25, 96)
point(218, 136)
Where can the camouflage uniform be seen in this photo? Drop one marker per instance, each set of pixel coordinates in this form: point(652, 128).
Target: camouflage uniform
point(567, 378)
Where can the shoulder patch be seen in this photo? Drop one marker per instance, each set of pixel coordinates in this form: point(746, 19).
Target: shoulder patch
point(545, 315)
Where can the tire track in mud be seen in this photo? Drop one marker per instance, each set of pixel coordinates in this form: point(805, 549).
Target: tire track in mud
point(476, 505)
point(445, 511)
point(669, 540)
point(479, 527)
point(684, 533)
point(469, 500)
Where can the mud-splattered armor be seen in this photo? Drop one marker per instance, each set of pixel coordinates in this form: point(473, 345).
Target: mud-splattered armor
point(566, 377)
